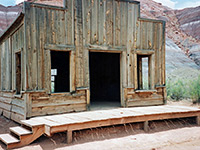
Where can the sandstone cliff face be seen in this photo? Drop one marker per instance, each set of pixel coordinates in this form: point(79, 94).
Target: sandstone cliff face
point(7, 15)
point(189, 19)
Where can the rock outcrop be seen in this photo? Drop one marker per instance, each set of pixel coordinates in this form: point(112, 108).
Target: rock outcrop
point(189, 19)
point(7, 15)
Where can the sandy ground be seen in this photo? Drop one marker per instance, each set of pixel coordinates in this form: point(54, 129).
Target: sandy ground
point(176, 134)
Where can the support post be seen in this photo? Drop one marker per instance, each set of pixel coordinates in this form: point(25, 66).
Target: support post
point(198, 120)
point(88, 99)
point(69, 137)
point(146, 126)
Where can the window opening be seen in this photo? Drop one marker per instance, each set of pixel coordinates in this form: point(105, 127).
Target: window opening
point(60, 74)
point(143, 72)
point(18, 72)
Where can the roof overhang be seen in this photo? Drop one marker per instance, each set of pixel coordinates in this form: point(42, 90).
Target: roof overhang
point(12, 26)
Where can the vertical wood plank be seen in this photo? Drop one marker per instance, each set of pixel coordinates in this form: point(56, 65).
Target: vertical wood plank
point(93, 22)
point(32, 54)
point(139, 69)
point(117, 23)
point(135, 71)
point(109, 22)
point(85, 42)
point(123, 32)
point(72, 71)
point(163, 55)
point(160, 54)
point(40, 48)
point(79, 44)
point(47, 71)
point(155, 46)
point(130, 41)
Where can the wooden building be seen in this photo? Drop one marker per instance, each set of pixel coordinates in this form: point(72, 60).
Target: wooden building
point(65, 59)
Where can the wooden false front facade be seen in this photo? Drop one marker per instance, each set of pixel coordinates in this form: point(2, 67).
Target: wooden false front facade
point(42, 37)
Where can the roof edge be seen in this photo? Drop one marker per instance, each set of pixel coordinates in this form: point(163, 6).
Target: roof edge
point(130, 1)
point(18, 20)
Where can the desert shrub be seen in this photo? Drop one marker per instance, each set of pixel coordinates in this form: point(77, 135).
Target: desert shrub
point(176, 90)
point(194, 90)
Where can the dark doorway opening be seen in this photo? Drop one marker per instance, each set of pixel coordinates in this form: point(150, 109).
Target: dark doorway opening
point(60, 73)
point(18, 72)
point(104, 79)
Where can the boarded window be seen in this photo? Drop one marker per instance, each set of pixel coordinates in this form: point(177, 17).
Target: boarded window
point(60, 71)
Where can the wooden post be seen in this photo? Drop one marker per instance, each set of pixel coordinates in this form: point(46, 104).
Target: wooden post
point(88, 99)
point(146, 126)
point(69, 137)
point(198, 120)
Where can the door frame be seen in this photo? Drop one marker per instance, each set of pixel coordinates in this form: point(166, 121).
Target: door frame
point(122, 63)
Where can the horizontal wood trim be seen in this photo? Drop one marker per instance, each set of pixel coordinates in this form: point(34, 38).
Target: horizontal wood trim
point(47, 6)
point(18, 102)
point(38, 91)
point(102, 48)
point(5, 100)
point(18, 110)
point(144, 52)
point(145, 91)
point(145, 103)
point(83, 88)
point(17, 117)
point(5, 106)
point(57, 103)
point(38, 111)
point(6, 113)
point(151, 20)
point(59, 47)
point(18, 50)
point(62, 93)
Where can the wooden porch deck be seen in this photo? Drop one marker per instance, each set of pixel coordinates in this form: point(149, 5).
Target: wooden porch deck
point(91, 119)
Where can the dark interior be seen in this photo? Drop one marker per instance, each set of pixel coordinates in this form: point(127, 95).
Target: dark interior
point(104, 77)
point(18, 73)
point(60, 61)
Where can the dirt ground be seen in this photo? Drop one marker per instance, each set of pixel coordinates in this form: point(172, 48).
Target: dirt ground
point(176, 134)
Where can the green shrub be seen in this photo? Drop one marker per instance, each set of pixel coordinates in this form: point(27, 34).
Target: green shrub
point(195, 90)
point(176, 90)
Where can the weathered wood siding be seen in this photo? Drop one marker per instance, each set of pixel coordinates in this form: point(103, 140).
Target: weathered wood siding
point(82, 26)
point(105, 25)
point(44, 27)
point(151, 36)
point(12, 107)
point(6, 65)
point(43, 104)
point(50, 28)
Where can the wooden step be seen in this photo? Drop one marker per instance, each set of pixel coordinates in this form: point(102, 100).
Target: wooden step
point(20, 131)
point(8, 139)
point(31, 123)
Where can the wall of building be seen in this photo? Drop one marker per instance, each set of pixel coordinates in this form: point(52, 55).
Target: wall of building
point(83, 26)
point(11, 105)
